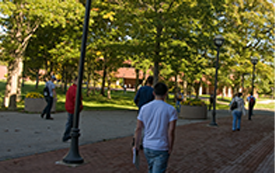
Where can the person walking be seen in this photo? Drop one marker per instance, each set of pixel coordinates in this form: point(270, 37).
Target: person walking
point(145, 93)
point(69, 106)
point(143, 96)
point(49, 98)
point(251, 103)
point(211, 100)
point(158, 119)
point(237, 112)
point(179, 98)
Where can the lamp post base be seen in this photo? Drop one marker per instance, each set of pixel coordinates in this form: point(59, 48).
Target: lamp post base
point(73, 156)
point(213, 124)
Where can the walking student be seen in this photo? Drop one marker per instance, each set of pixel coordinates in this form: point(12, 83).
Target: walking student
point(251, 103)
point(143, 96)
point(179, 98)
point(70, 105)
point(158, 119)
point(49, 98)
point(237, 112)
point(145, 93)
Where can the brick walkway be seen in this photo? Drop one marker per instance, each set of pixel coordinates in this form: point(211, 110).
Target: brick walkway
point(198, 148)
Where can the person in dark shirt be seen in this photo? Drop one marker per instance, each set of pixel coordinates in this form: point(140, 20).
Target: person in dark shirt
point(144, 96)
point(145, 93)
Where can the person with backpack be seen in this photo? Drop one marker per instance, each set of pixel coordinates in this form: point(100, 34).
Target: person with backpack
point(145, 93)
point(251, 103)
point(237, 109)
point(144, 96)
point(49, 94)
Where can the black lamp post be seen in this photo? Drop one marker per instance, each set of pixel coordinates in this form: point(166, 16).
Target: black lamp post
point(218, 41)
point(254, 61)
point(73, 156)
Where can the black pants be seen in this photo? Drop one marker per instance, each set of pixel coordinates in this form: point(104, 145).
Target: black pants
point(250, 111)
point(47, 109)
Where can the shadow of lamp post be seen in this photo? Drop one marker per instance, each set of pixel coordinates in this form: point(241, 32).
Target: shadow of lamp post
point(73, 156)
point(218, 41)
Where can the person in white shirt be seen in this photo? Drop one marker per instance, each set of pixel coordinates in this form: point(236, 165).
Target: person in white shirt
point(158, 119)
point(49, 99)
point(237, 112)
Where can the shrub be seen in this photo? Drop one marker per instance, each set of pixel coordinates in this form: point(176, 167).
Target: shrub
point(193, 102)
point(34, 95)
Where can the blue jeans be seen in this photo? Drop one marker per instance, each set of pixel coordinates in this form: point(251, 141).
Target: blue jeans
point(157, 160)
point(178, 106)
point(237, 115)
point(68, 127)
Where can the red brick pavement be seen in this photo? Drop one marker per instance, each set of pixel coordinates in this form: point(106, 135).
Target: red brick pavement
point(198, 148)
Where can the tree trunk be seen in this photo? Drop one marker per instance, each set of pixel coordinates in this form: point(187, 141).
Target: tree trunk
point(144, 77)
point(197, 89)
point(13, 86)
point(157, 55)
point(156, 72)
point(88, 86)
point(94, 84)
point(184, 87)
point(137, 80)
point(103, 80)
point(66, 82)
point(272, 97)
point(109, 86)
point(37, 80)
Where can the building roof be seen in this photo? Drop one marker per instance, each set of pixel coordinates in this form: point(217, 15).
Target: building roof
point(129, 73)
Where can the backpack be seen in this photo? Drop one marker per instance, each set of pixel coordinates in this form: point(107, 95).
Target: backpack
point(46, 91)
point(234, 105)
point(252, 101)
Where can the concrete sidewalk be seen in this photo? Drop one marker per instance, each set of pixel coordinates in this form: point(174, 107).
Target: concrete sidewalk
point(27, 134)
point(198, 147)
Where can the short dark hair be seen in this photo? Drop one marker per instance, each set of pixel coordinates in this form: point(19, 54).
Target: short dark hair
point(150, 80)
point(160, 89)
point(240, 94)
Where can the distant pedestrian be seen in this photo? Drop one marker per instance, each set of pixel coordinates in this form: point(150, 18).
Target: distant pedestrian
point(49, 98)
point(124, 88)
point(70, 106)
point(145, 93)
point(158, 119)
point(211, 100)
point(179, 98)
point(251, 103)
point(237, 112)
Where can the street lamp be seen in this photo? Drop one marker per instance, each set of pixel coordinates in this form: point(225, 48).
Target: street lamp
point(218, 41)
point(73, 156)
point(254, 61)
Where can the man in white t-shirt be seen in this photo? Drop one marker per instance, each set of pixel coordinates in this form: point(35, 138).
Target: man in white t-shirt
point(158, 119)
point(49, 99)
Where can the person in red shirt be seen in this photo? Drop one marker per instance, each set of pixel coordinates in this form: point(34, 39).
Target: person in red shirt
point(70, 105)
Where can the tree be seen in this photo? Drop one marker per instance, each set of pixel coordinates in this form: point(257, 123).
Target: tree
point(21, 19)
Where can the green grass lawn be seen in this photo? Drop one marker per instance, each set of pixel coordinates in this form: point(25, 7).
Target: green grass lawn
point(119, 101)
